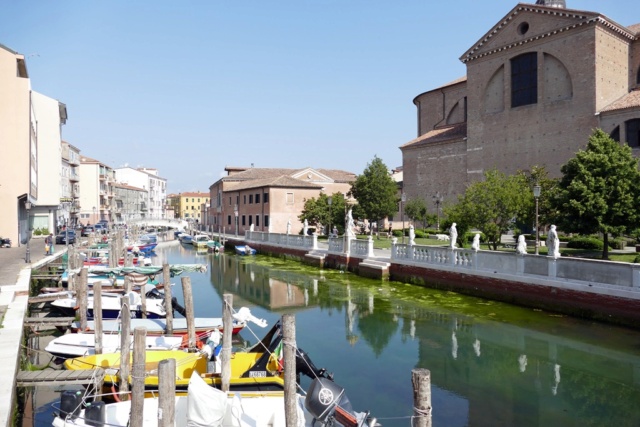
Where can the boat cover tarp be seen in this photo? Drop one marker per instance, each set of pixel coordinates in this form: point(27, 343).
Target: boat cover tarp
point(206, 405)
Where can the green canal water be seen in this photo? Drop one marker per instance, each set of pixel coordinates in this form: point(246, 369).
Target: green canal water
point(492, 364)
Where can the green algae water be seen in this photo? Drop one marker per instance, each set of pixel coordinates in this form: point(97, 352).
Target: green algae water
point(491, 364)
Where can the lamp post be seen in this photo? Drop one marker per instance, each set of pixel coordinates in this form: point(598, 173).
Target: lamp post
point(329, 202)
point(437, 199)
point(536, 194)
point(27, 258)
point(235, 212)
point(403, 198)
point(94, 215)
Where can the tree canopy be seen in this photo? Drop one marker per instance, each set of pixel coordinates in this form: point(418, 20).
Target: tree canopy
point(492, 205)
point(416, 210)
point(376, 191)
point(599, 191)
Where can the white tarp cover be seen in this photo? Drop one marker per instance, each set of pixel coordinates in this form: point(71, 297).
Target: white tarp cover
point(206, 405)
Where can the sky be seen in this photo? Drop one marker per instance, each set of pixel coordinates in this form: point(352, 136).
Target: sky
point(191, 87)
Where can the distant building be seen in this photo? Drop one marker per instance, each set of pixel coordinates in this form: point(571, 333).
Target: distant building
point(269, 198)
point(70, 184)
point(96, 191)
point(190, 206)
point(147, 179)
point(537, 84)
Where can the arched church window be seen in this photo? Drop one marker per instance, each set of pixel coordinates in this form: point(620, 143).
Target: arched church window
point(615, 134)
point(632, 128)
point(524, 79)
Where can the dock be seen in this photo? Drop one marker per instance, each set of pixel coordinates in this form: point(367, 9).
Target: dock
point(49, 321)
point(54, 377)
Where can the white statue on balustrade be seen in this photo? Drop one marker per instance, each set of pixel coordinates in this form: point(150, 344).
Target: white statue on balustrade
point(475, 245)
point(289, 226)
point(412, 235)
point(521, 248)
point(305, 227)
point(453, 236)
point(553, 243)
point(349, 225)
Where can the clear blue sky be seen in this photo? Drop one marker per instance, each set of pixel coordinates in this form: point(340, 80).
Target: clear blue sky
point(189, 87)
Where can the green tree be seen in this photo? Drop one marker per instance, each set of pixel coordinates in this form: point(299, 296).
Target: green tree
point(376, 191)
point(416, 210)
point(318, 212)
point(492, 205)
point(599, 191)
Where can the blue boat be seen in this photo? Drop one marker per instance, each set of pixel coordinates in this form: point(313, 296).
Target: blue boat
point(185, 238)
point(245, 250)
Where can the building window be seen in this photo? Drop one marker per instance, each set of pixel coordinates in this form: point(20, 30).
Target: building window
point(524, 79)
point(265, 198)
point(250, 199)
point(257, 220)
point(638, 78)
point(230, 201)
point(244, 220)
point(615, 135)
point(633, 132)
point(258, 198)
point(266, 220)
point(228, 219)
point(244, 199)
point(250, 220)
point(290, 199)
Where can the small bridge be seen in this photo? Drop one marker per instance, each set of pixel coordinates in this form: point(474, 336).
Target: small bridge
point(159, 222)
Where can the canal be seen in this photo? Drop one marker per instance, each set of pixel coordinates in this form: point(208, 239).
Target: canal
point(491, 364)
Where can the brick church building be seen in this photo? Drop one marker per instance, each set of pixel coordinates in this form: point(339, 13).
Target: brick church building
point(537, 84)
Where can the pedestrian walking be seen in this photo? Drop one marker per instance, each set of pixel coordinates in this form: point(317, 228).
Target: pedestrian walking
point(48, 244)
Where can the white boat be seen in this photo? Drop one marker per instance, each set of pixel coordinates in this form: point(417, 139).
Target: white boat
point(111, 306)
point(185, 238)
point(200, 240)
point(84, 344)
point(245, 250)
point(324, 405)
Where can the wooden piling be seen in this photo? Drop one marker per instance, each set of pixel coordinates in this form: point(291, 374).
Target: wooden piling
point(188, 306)
point(225, 354)
point(97, 316)
point(167, 299)
point(81, 298)
point(167, 391)
point(289, 349)
point(125, 342)
point(421, 379)
point(138, 376)
point(143, 301)
point(127, 284)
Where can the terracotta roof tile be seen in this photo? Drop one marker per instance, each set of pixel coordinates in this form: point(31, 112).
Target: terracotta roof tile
point(440, 134)
point(635, 28)
point(630, 100)
point(278, 181)
point(194, 194)
point(265, 173)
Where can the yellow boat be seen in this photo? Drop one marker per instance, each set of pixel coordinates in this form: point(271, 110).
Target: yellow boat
point(259, 369)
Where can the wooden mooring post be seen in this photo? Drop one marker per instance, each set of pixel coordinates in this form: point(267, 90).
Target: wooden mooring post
point(421, 379)
point(138, 377)
point(97, 316)
point(125, 342)
point(167, 391)
point(289, 349)
point(227, 332)
point(188, 306)
point(166, 274)
point(81, 297)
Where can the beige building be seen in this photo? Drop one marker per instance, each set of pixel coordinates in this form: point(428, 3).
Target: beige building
point(96, 192)
point(269, 198)
point(537, 84)
point(70, 184)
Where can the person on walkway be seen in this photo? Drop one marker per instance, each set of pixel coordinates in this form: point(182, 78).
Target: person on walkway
point(48, 244)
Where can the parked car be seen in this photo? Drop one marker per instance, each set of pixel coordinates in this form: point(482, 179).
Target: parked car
point(62, 237)
point(87, 230)
point(100, 228)
point(5, 242)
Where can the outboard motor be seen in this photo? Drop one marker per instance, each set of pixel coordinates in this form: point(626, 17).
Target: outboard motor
point(328, 403)
point(70, 403)
point(305, 366)
point(95, 414)
point(175, 306)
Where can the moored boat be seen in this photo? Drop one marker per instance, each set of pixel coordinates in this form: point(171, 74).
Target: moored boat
point(245, 250)
point(200, 240)
point(185, 238)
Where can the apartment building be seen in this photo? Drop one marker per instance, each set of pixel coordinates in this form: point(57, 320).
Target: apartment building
point(96, 193)
point(147, 179)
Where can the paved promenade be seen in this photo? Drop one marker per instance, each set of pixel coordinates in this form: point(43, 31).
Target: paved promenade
point(15, 275)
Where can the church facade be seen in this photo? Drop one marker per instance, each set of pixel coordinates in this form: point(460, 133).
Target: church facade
point(537, 84)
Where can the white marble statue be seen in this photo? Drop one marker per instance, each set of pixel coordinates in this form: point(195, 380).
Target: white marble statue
point(305, 227)
point(289, 226)
point(475, 245)
point(349, 224)
point(521, 248)
point(453, 236)
point(251, 227)
point(553, 243)
point(412, 235)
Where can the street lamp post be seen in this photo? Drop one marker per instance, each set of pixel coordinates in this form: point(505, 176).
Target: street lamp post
point(403, 198)
point(536, 194)
point(235, 212)
point(27, 258)
point(94, 215)
point(437, 199)
point(329, 202)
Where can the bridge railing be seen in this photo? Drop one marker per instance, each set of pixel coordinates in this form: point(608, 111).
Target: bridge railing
point(280, 239)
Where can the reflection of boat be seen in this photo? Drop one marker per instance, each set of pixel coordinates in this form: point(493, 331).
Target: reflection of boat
point(245, 250)
point(200, 241)
point(325, 404)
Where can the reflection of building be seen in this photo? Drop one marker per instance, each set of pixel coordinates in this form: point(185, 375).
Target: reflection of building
point(536, 85)
point(269, 198)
